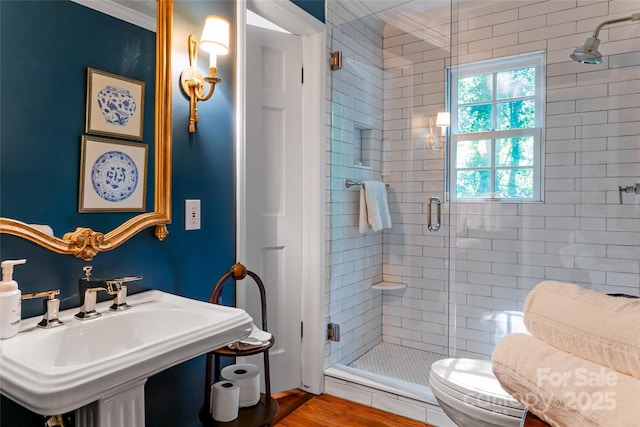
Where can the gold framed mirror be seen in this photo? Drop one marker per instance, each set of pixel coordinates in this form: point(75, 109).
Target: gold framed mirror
point(84, 242)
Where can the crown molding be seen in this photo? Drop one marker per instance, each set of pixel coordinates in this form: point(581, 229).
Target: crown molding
point(119, 11)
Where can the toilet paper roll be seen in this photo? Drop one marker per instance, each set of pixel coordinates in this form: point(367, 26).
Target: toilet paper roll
point(225, 400)
point(247, 377)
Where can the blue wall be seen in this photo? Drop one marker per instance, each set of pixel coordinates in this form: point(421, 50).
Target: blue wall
point(43, 103)
point(49, 112)
point(315, 8)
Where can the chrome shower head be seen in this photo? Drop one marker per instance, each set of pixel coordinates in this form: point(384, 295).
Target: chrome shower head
point(588, 54)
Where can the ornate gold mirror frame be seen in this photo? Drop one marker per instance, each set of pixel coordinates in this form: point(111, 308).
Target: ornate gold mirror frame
point(84, 242)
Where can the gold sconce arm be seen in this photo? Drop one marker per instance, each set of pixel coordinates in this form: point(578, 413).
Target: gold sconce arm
point(193, 82)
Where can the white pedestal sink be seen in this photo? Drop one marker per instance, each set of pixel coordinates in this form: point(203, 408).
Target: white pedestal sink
point(98, 367)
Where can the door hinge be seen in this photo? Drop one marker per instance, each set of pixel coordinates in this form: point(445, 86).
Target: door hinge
point(333, 332)
point(301, 330)
point(302, 75)
point(335, 62)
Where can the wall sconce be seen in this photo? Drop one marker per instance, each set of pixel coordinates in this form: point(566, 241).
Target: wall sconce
point(443, 119)
point(215, 40)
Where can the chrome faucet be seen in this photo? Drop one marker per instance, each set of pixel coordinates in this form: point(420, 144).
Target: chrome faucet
point(51, 307)
point(88, 289)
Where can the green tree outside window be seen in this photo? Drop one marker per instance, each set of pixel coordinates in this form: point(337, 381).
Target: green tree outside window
point(496, 136)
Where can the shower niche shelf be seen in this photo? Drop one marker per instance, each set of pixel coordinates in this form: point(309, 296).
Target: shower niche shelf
point(388, 286)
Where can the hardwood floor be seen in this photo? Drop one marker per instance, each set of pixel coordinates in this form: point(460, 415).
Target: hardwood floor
point(300, 409)
point(289, 401)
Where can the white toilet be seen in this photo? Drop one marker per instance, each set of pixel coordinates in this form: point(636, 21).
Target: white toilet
point(471, 395)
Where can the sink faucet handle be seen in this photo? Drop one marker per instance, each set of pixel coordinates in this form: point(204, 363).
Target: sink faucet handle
point(50, 294)
point(120, 300)
point(51, 307)
point(114, 285)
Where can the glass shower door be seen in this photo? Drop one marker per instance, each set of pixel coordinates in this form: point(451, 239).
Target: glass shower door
point(389, 289)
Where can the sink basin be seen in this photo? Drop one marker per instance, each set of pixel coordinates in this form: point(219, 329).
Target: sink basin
point(54, 371)
point(94, 342)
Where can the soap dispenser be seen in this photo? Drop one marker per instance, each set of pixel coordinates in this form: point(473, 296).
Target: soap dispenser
point(10, 303)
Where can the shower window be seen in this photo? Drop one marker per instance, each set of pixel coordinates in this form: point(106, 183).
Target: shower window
point(497, 122)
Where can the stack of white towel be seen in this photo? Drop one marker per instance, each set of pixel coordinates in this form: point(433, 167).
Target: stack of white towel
point(581, 365)
point(374, 209)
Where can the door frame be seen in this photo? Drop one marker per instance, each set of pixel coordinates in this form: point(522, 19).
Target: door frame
point(313, 33)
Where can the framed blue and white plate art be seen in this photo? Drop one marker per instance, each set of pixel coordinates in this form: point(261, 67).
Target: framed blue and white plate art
point(113, 175)
point(115, 105)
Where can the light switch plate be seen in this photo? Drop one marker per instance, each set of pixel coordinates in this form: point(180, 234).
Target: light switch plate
point(192, 214)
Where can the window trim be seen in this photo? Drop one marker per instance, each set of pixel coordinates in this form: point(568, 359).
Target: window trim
point(536, 59)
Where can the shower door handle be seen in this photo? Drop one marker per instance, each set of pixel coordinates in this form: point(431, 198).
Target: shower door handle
point(430, 226)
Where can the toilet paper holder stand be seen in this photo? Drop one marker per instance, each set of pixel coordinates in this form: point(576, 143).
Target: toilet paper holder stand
point(267, 408)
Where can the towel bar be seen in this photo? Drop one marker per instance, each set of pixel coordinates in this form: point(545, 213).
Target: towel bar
point(348, 183)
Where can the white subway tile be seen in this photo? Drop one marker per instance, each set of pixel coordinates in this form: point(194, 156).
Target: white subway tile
point(623, 279)
point(548, 6)
point(518, 270)
point(605, 102)
point(574, 275)
point(615, 289)
point(492, 43)
point(547, 32)
point(518, 246)
point(615, 238)
point(584, 96)
point(422, 326)
point(626, 59)
point(598, 9)
point(522, 48)
point(433, 339)
point(558, 82)
point(479, 348)
point(344, 391)
point(513, 27)
point(561, 107)
point(609, 265)
point(624, 252)
point(473, 335)
point(495, 18)
point(617, 77)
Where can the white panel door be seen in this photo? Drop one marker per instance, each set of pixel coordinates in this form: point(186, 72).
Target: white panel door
point(274, 194)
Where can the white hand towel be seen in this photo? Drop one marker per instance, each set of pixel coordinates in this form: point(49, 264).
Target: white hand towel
point(376, 206)
point(363, 225)
point(589, 324)
point(257, 337)
point(562, 389)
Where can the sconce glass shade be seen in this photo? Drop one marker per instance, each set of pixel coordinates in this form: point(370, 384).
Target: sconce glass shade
point(215, 36)
point(443, 119)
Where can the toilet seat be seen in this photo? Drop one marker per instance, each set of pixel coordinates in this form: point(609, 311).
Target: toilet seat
point(472, 381)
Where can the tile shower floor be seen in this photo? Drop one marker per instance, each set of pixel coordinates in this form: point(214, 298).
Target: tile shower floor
point(395, 361)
